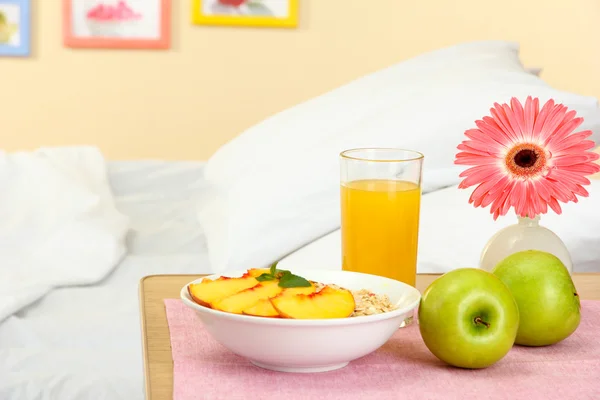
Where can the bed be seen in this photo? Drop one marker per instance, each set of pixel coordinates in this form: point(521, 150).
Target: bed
point(83, 340)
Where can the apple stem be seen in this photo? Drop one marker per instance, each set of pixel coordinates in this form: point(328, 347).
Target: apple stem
point(478, 320)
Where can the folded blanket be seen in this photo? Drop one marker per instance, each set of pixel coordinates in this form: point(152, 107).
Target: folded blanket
point(58, 223)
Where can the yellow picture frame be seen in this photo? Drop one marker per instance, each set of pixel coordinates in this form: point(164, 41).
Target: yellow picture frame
point(290, 21)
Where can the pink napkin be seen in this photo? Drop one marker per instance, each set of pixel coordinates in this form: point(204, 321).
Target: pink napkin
point(402, 368)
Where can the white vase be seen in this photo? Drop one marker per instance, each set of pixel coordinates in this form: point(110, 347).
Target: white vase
point(527, 234)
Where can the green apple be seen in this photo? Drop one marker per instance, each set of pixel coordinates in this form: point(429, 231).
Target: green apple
point(545, 293)
point(468, 318)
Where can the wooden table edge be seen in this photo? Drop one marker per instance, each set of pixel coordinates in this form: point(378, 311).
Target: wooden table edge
point(145, 305)
point(147, 384)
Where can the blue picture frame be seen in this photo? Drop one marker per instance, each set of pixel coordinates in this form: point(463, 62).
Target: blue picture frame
point(23, 27)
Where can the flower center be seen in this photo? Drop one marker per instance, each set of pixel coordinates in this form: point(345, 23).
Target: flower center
point(526, 160)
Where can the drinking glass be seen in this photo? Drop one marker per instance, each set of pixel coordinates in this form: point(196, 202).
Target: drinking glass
point(380, 205)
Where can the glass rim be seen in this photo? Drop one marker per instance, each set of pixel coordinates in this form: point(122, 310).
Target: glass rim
point(417, 155)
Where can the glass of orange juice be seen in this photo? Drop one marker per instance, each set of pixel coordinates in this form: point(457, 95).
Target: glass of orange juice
point(380, 205)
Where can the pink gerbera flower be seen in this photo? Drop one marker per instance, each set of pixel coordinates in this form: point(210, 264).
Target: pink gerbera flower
point(527, 158)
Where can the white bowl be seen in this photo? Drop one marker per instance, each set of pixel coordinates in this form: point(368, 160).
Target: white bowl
point(314, 345)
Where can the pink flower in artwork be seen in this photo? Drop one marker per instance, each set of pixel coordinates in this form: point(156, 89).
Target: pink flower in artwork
point(234, 3)
point(108, 12)
point(527, 158)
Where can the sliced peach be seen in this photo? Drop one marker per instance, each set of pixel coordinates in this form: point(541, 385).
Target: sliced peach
point(205, 293)
point(264, 308)
point(221, 278)
point(299, 290)
point(245, 299)
point(327, 303)
point(258, 271)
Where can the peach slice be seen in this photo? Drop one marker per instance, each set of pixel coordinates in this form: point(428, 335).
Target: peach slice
point(221, 278)
point(205, 293)
point(238, 302)
point(327, 303)
point(299, 290)
point(258, 271)
point(264, 308)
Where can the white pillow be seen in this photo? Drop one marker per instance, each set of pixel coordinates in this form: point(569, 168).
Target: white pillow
point(452, 234)
point(276, 185)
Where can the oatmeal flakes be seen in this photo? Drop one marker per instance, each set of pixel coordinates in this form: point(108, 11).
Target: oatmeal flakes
point(367, 302)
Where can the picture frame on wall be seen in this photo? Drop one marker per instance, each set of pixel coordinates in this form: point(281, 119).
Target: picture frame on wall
point(15, 28)
point(117, 24)
point(254, 13)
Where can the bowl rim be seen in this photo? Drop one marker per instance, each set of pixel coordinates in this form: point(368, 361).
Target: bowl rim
point(365, 319)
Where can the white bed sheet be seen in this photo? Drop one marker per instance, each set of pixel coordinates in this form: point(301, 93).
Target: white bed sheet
point(84, 342)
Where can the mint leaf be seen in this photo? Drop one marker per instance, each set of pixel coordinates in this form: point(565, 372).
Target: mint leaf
point(286, 278)
point(277, 272)
point(265, 277)
point(290, 280)
point(273, 268)
point(282, 272)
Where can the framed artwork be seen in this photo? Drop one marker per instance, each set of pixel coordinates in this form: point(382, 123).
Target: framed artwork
point(15, 28)
point(257, 13)
point(130, 24)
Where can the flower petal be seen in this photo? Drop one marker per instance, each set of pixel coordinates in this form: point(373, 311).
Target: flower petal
point(555, 206)
point(541, 118)
point(506, 202)
point(531, 111)
point(493, 130)
point(570, 177)
point(592, 156)
point(583, 169)
point(501, 185)
point(495, 191)
point(552, 123)
point(562, 132)
point(481, 136)
point(543, 189)
point(476, 147)
point(580, 147)
point(478, 174)
point(482, 190)
point(515, 116)
point(561, 190)
point(571, 159)
point(470, 159)
point(502, 198)
point(518, 197)
point(502, 121)
point(570, 140)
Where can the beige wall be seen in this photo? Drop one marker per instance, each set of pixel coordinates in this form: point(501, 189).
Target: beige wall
point(215, 82)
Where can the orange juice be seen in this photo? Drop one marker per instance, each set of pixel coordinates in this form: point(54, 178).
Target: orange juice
point(380, 224)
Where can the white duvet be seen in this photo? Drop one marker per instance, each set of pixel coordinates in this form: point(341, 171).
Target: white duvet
point(59, 226)
point(83, 341)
